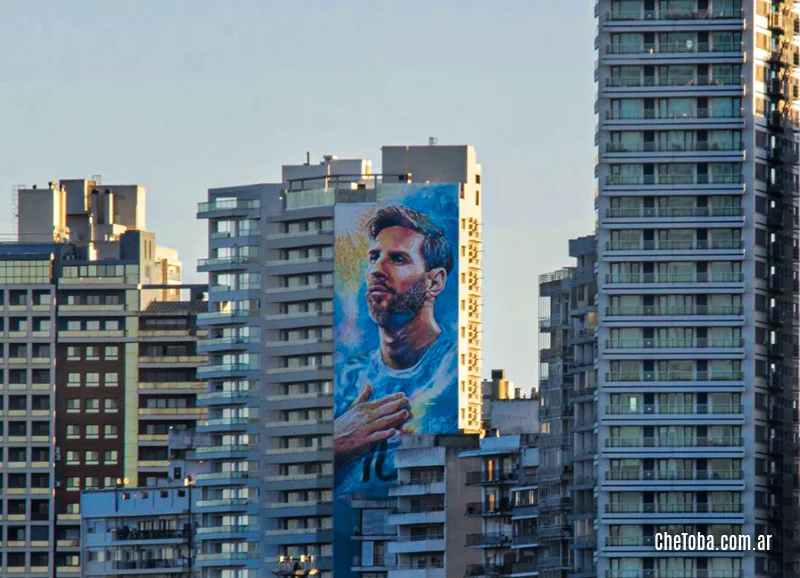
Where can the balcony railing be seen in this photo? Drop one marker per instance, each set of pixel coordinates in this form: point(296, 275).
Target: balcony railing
point(675, 278)
point(487, 571)
point(658, 114)
point(674, 48)
point(674, 573)
point(688, 245)
point(227, 205)
point(152, 564)
point(702, 179)
point(126, 533)
point(673, 147)
point(488, 508)
point(673, 475)
point(488, 540)
point(680, 81)
point(675, 442)
point(629, 376)
point(674, 508)
point(674, 409)
point(623, 15)
point(491, 477)
point(658, 310)
point(696, 343)
point(672, 212)
point(525, 539)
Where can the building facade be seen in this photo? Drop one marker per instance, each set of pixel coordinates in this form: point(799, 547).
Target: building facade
point(697, 275)
point(267, 476)
point(130, 532)
point(72, 293)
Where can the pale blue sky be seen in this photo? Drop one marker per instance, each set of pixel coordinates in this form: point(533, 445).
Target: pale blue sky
point(185, 95)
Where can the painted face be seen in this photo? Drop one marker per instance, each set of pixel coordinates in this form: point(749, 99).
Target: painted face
point(396, 277)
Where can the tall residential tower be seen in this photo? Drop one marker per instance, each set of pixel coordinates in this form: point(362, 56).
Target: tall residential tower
point(697, 283)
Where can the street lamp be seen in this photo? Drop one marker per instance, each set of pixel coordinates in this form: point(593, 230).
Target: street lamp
point(297, 567)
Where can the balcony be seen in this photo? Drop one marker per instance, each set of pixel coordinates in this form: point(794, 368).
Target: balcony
point(228, 316)
point(486, 478)
point(487, 571)
point(207, 370)
point(672, 212)
point(228, 207)
point(674, 311)
point(674, 409)
point(219, 263)
point(125, 533)
point(673, 147)
point(674, 180)
point(663, 15)
point(674, 278)
point(654, 343)
point(488, 541)
point(704, 114)
point(674, 475)
point(525, 540)
point(681, 48)
point(674, 508)
point(678, 82)
point(674, 574)
point(432, 542)
point(674, 246)
point(478, 509)
point(676, 442)
point(674, 376)
point(152, 564)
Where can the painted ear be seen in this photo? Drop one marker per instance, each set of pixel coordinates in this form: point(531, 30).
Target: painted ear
point(438, 279)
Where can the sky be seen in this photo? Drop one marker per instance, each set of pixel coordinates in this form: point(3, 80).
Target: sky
point(182, 96)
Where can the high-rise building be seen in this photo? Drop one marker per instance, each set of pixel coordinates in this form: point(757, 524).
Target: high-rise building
point(266, 478)
point(566, 446)
point(74, 290)
point(697, 284)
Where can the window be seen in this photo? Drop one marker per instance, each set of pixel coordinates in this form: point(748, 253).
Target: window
point(92, 457)
point(73, 484)
point(110, 432)
point(91, 482)
point(73, 432)
point(109, 481)
point(92, 353)
point(110, 457)
point(111, 379)
point(112, 352)
point(74, 508)
point(92, 431)
point(73, 457)
point(73, 353)
point(92, 405)
point(93, 325)
point(110, 406)
point(73, 380)
point(73, 325)
point(112, 325)
point(92, 380)
point(73, 405)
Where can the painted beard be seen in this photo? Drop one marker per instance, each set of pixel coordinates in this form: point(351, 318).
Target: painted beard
point(400, 308)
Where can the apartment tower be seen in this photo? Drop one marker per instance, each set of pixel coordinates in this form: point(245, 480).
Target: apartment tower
point(697, 284)
point(265, 483)
point(73, 291)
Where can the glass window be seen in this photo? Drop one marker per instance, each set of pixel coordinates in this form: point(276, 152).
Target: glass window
point(111, 379)
point(92, 431)
point(112, 352)
point(110, 405)
point(110, 431)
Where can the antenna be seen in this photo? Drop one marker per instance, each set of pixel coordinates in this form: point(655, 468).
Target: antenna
point(308, 158)
point(433, 141)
